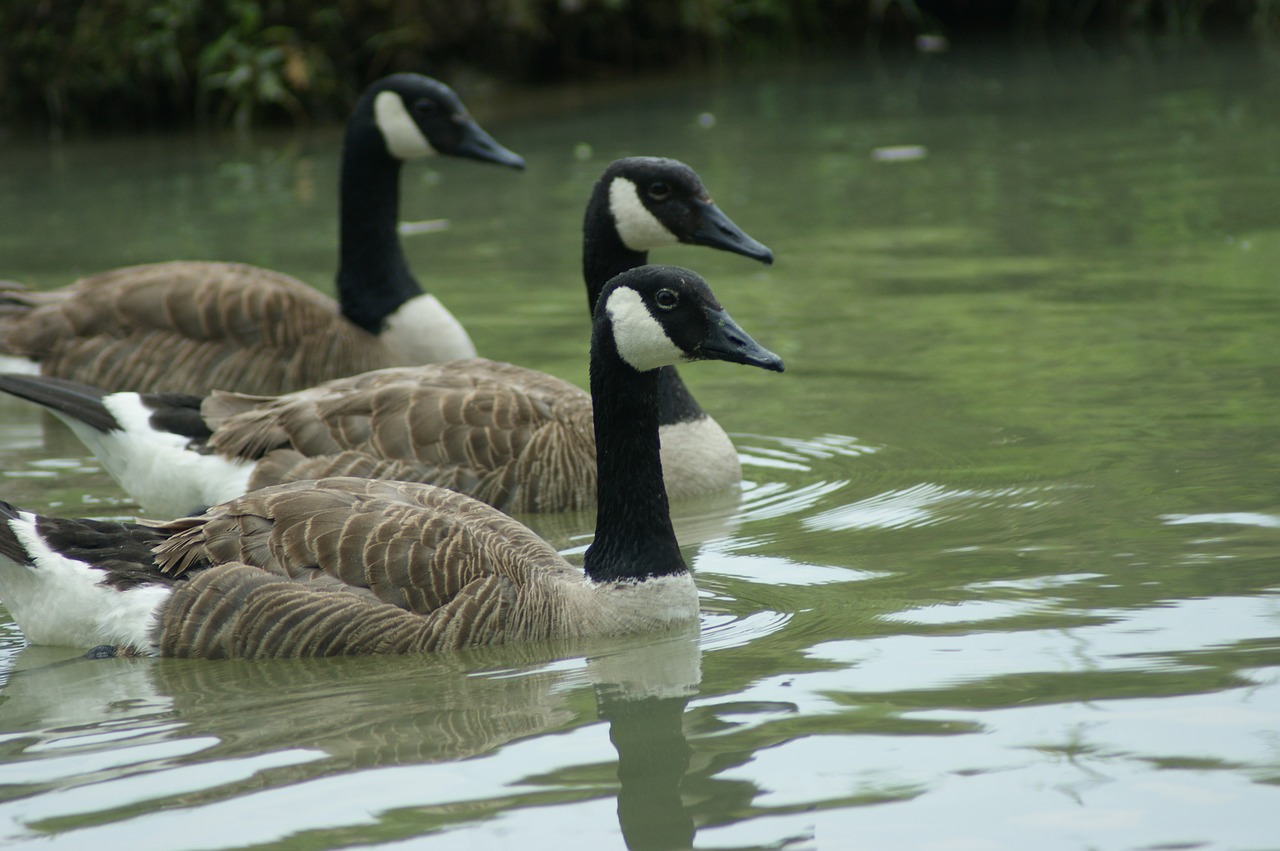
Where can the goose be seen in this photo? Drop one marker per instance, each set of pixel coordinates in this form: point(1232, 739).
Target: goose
point(518, 439)
point(349, 566)
point(192, 327)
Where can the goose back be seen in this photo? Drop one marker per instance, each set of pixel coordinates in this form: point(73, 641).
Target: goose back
point(515, 438)
point(433, 569)
point(201, 325)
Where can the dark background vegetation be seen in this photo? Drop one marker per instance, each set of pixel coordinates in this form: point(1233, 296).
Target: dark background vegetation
point(77, 65)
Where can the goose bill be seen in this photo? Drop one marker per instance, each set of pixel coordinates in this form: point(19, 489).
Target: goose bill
point(718, 231)
point(729, 342)
point(478, 145)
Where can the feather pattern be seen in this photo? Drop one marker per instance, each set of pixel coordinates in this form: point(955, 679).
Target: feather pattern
point(517, 439)
point(391, 551)
point(230, 324)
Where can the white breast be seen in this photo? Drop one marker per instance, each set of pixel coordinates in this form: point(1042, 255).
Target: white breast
point(632, 607)
point(423, 330)
point(698, 458)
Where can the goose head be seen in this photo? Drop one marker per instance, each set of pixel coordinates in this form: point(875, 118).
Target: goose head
point(655, 202)
point(418, 116)
point(648, 317)
point(660, 316)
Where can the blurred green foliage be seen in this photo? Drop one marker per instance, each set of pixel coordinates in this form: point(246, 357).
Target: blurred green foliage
point(81, 64)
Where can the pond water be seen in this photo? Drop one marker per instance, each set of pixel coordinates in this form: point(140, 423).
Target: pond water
point(1005, 572)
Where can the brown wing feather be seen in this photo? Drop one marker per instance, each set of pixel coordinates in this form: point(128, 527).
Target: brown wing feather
point(407, 544)
point(236, 611)
point(359, 566)
point(514, 438)
point(188, 327)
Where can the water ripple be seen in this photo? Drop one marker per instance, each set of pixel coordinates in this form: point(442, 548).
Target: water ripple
point(1230, 518)
point(927, 504)
point(968, 612)
point(722, 631)
point(795, 454)
point(763, 502)
point(774, 571)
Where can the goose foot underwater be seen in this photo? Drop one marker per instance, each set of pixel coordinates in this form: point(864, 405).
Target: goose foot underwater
point(355, 566)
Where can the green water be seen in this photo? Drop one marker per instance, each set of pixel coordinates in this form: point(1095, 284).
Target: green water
point(1005, 573)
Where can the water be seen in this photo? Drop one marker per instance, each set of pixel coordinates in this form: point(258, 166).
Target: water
point(1005, 570)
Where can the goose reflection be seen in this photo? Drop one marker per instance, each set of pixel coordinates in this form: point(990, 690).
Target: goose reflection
point(146, 720)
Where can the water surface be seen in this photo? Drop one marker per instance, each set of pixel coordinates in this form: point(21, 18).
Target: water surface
point(1005, 570)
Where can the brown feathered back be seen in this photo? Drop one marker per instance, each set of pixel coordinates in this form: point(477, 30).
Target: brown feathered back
point(518, 439)
point(188, 327)
point(361, 567)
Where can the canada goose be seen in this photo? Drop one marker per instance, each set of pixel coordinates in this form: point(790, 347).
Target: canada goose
point(355, 566)
point(515, 438)
point(193, 327)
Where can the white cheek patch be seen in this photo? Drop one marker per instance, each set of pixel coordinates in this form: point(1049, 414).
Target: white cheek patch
point(640, 230)
point(640, 338)
point(403, 137)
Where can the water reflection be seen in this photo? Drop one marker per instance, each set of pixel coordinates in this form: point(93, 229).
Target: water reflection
point(94, 744)
point(927, 503)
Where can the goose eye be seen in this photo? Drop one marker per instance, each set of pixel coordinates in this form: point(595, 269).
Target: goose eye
point(425, 107)
point(659, 191)
point(666, 299)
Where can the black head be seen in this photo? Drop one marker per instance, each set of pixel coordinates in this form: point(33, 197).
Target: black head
point(663, 315)
point(418, 116)
point(656, 202)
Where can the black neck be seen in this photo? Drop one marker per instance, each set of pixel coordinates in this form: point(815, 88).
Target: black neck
point(373, 277)
point(605, 255)
point(634, 538)
point(653, 756)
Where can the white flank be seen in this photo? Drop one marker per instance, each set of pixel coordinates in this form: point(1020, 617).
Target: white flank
point(156, 467)
point(640, 230)
point(60, 600)
point(22, 366)
point(641, 340)
point(404, 138)
point(698, 458)
point(422, 330)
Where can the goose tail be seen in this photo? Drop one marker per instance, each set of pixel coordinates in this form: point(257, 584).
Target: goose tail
point(80, 583)
point(68, 400)
point(153, 444)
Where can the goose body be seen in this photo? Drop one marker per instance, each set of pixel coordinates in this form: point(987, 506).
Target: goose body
point(515, 438)
point(356, 566)
point(193, 327)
